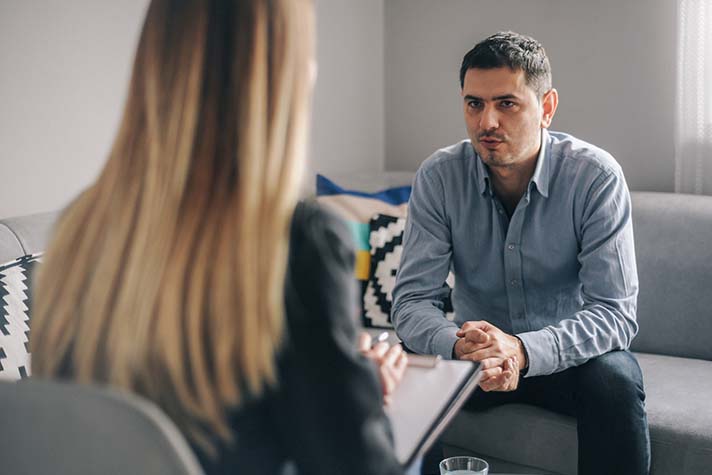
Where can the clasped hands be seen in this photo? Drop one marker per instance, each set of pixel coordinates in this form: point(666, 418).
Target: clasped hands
point(500, 354)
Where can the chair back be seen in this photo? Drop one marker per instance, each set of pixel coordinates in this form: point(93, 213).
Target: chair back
point(65, 428)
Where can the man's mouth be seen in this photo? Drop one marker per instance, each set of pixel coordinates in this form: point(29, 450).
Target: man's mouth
point(490, 142)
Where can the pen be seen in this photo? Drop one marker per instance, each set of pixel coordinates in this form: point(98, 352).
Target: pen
point(382, 337)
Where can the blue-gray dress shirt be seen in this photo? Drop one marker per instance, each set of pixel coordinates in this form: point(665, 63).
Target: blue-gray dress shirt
point(560, 274)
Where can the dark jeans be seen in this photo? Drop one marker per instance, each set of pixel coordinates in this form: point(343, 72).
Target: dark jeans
point(606, 397)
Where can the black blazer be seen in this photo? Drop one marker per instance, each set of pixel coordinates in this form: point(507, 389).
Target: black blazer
point(326, 415)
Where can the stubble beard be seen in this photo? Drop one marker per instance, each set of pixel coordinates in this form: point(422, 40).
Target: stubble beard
point(493, 159)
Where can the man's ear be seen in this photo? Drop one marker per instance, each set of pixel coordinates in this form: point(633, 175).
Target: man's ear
point(549, 103)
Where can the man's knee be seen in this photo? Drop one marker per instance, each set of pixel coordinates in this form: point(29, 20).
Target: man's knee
point(614, 378)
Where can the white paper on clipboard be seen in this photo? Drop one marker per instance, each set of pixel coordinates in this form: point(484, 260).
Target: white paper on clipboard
point(425, 402)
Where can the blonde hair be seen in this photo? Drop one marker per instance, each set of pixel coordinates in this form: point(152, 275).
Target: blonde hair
point(166, 276)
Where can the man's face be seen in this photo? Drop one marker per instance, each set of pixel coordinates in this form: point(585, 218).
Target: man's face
point(503, 116)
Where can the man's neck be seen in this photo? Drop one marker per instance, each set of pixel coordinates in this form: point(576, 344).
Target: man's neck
point(510, 182)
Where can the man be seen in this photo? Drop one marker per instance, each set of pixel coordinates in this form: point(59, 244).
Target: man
point(536, 227)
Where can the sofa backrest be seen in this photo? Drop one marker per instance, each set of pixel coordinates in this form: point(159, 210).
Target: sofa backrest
point(673, 244)
point(673, 239)
point(25, 235)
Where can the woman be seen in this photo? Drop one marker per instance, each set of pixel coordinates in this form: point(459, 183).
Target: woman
point(188, 273)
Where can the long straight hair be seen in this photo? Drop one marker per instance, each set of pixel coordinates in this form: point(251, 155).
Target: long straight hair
point(166, 276)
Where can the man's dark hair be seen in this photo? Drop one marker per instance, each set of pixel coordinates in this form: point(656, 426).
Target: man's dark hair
point(514, 51)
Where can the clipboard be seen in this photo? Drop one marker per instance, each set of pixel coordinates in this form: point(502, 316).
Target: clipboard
point(429, 396)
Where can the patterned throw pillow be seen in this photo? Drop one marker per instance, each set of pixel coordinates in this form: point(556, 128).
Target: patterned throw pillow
point(386, 240)
point(15, 303)
point(357, 208)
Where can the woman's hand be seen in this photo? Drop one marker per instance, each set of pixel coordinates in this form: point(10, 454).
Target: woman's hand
point(390, 360)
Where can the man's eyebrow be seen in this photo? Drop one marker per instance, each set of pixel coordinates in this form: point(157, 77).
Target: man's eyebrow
point(506, 96)
point(469, 97)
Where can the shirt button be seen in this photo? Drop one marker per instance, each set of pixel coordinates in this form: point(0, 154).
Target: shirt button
point(513, 282)
point(510, 247)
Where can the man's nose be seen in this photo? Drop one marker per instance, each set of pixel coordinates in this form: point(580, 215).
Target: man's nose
point(489, 119)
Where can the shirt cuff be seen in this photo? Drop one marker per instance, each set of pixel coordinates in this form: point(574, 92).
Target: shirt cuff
point(542, 350)
point(444, 341)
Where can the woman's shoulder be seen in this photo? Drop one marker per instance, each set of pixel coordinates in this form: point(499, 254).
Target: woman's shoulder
point(321, 261)
point(317, 230)
point(310, 216)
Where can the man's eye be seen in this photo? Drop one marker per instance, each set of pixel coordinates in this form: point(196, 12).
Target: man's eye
point(474, 104)
point(507, 104)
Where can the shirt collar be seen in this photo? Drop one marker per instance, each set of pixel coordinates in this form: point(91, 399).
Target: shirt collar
point(541, 173)
point(482, 175)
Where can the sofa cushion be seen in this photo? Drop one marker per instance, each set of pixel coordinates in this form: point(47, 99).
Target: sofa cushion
point(672, 233)
point(386, 244)
point(15, 303)
point(534, 437)
point(357, 207)
point(10, 246)
point(679, 414)
point(25, 234)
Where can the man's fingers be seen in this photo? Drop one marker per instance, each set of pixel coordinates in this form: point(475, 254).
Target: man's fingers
point(491, 384)
point(477, 336)
point(471, 325)
point(503, 377)
point(506, 375)
point(496, 383)
point(491, 363)
point(491, 373)
point(496, 346)
point(472, 341)
point(492, 351)
point(511, 373)
point(475, 325)
point(466, 347)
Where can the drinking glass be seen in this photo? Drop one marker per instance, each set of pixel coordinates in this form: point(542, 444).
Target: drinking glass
point(464, 465)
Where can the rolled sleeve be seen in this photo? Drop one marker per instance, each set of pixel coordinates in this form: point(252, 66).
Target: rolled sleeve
point(542, 351)
point(609, 286)
point(418, 308)
point(444, 341)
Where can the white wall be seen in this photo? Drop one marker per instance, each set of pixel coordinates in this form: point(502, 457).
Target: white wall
point(613, 63)
point(65, 68)
point(387, 93)
point(348, 132)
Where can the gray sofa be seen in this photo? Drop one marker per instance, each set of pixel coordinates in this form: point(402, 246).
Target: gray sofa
point(673, 235)
point(673, 238)
point(24, 235)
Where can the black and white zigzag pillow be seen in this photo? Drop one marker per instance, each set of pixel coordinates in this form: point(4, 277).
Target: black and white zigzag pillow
point(386, 241)
point(15, 303)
